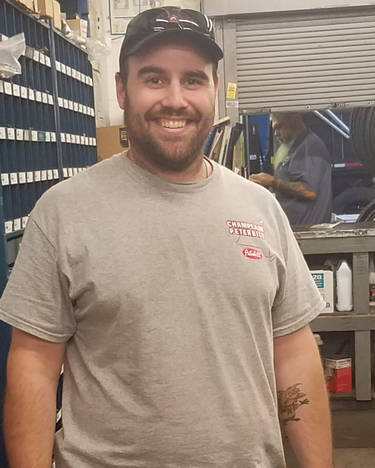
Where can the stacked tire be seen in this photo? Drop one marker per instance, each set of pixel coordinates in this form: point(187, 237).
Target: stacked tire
point(363, 136)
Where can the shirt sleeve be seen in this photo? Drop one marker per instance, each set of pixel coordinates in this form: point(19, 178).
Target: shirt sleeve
point(298, 300)
point(36, 298)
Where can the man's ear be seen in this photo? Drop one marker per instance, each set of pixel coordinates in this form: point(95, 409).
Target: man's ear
point(121, 91)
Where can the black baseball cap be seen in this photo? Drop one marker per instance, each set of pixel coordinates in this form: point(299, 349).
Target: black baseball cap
point(150, 25)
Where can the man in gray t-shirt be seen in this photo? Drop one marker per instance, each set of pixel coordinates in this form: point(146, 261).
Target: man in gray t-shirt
point(302, 171)
point(172, 290)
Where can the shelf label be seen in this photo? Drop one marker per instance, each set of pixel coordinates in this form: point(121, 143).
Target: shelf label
point(53, 137)
point(58, 66)
point(48, 61)
point(34, 135)
point(8, 226)
point(42, 58)
point(36, 55)
point(31, 95)
point(47, 137)
point(68, 70)
point(24, 93)
point(55, 173)
point(22, 177)
point(19, 134)
point(4, 179)
point(62, 137)
point(17, 224)
point(70, 172)
point(13, 178)
point(63, 68)
point(38, 96)
point(50, 99)
point(30, 177)
point(1, 86)
point(16, 90)
point(50, 174)
point(37, 176)
point(26, 135)
point(65, 171)
point(60, 101)
point(45, 98)
point(11, 133)
point(24, 221)
point(3, 133)
point(71, 105)
point(43, 176)
point(8, 88)
point(68, 138)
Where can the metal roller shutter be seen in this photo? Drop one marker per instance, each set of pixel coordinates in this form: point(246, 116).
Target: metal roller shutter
point(309, 60)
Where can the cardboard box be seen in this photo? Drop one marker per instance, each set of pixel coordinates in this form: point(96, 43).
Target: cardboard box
point(78, 25)
point(45, 8)
point(338, 371)
point(324, 282)
point(111, 140)
point(28, 4)
point(56, 14)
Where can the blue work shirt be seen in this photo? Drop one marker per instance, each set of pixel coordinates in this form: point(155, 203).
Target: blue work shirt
point(308, 162)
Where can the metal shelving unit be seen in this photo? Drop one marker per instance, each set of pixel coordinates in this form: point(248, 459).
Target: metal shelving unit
point(47, 132)
point(357, 240)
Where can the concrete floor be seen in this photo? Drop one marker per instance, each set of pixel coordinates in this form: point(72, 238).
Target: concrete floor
point(353, 435)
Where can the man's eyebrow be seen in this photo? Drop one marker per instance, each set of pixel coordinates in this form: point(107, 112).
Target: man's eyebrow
point(197, 74)
point(149, 69)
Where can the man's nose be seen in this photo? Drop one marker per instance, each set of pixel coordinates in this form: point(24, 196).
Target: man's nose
point(174, 97)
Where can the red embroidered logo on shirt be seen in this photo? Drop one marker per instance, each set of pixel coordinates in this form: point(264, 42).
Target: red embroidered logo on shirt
point(253, 254)
point(243, 228)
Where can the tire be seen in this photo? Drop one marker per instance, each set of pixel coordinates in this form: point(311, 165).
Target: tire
point(368, 213)
point(354, 198)
point(363, 136)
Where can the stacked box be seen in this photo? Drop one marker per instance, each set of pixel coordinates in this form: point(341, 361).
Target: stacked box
point(338, 372)
point(324, 282)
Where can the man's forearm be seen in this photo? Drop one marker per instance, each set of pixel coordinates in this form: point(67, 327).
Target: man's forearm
point(295, 189)
point(303, 402)
point(29, 421)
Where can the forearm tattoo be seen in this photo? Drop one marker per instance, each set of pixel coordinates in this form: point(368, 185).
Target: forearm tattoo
point(292, 188)
point(289, 402)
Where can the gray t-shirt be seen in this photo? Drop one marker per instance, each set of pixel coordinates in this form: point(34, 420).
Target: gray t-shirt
point(308, 162)
point(168, 296)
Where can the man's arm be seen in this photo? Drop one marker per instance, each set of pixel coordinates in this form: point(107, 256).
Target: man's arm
point(33, 372)
point(296, 189)
point(303, 401)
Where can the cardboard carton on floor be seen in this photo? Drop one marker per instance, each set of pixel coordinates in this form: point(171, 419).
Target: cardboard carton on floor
point(338, 371)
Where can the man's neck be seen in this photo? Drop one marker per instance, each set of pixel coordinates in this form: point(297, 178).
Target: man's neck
point(199, 170)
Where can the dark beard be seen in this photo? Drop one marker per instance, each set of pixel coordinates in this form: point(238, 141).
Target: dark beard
point(183, 155)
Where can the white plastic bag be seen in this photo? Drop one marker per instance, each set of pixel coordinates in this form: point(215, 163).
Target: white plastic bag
point(10, 51)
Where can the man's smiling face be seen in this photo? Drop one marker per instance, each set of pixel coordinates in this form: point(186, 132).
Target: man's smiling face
point(169, 103)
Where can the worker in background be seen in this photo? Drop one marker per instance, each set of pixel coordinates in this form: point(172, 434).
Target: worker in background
point(172, 289)
point(302, 171)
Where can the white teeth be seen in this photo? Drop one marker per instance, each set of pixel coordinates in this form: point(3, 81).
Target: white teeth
point(173, 123)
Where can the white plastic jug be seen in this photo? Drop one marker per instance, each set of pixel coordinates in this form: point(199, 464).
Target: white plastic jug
point(344, 287)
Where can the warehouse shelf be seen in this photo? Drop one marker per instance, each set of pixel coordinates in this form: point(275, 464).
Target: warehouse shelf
point(358, 240)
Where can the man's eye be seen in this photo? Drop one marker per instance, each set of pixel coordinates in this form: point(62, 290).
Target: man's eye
point(193, 82)
point(154, 81)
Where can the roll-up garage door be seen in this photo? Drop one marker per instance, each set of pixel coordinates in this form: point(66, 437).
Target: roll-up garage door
point(303, 61)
